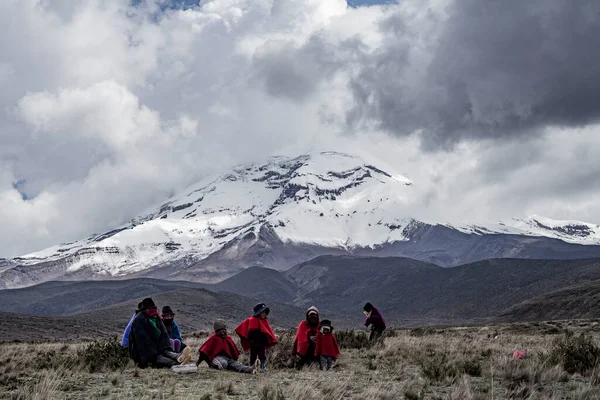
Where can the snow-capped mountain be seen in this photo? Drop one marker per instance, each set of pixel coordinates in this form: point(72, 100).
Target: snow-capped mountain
point(276, 214)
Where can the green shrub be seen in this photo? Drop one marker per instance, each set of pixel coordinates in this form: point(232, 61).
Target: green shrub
point(353, 339)
point(279, 355)
point(575, 353)
point(437, 366)
point(420, 332)
point(102, 355)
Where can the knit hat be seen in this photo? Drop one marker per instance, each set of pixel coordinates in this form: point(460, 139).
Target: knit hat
point(368, 307)
point(167, 310)
point(259, 308)
point(148, 303)
point(219, 324)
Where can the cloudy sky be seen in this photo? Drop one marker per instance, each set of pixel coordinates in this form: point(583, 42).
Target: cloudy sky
point(108, 107)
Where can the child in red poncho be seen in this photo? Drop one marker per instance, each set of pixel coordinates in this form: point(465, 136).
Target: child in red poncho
point(303, 350)
point(257, 336)
point(327, 347)
point(220, 352)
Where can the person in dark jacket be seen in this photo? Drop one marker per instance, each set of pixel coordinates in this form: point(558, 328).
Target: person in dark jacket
point(306, 339)
point(375, 319)
point(149, 340)
point(173, 329)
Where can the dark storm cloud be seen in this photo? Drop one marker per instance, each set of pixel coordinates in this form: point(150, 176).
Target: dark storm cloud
point(497, 68)
point(295, 72)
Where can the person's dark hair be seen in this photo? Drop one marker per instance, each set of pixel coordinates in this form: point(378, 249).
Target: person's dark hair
point(368, 307)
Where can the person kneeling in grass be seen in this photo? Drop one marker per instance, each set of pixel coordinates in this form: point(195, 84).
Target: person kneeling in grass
point(220, 352)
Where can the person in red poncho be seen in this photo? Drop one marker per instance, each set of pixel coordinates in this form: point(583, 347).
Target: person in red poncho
point(220, 352)
point(256, 335)
point(305, 341)
point(327, 348)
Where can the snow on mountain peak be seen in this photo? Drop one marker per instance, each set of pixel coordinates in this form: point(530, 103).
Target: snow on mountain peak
point(327, 199)
point(570, 231)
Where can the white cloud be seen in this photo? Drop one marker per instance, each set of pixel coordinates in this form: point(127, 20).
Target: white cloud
point(108, 109)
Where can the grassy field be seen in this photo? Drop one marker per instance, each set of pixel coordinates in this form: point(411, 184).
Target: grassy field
point(453, 363)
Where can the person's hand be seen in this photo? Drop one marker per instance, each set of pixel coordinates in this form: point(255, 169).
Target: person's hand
point(313, 338)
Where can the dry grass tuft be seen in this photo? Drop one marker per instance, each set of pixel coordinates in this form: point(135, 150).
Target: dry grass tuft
point(46, 388)
point(270, 391)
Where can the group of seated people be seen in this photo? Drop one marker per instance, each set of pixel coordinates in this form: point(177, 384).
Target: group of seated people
point(154, 340)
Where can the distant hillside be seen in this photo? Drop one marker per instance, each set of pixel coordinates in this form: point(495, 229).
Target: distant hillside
point(412, 291)
point(64, 298)
point(260, 283)
point(407, 289)
point(574, 302)
point(195, 309)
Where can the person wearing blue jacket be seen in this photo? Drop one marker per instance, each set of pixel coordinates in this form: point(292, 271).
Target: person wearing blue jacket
point(125, 339)
point(173, 329)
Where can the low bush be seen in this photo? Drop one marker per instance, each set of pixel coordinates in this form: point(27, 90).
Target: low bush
point(103, 355)
point(353, 339)
point(575, 353)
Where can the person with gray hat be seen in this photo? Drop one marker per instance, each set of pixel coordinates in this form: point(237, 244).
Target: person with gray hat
point(220, 352)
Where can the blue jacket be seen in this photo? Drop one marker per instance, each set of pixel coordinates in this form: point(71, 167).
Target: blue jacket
point(125, 340)
point(174, 332)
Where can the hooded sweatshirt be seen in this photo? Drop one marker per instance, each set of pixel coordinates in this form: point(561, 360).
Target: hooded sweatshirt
point(302, 342)
point(376, 319)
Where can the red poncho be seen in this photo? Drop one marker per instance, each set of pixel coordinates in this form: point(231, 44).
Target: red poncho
point(302, 341)
point(327, 345)
point(255, 324)
point(216, 345)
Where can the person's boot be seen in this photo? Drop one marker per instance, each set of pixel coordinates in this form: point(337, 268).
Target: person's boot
point(185, 357)
point(262, 365)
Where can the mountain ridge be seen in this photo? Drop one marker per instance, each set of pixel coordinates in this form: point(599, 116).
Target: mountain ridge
point(283, 212)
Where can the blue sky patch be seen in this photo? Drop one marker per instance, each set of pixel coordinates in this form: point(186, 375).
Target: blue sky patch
point(20, 187)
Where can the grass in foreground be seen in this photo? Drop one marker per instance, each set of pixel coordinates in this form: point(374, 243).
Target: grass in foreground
point(456, 363)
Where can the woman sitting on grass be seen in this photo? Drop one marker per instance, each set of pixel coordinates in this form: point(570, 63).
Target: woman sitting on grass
point(220, 352)
point(173, 329)
point(149, 343)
